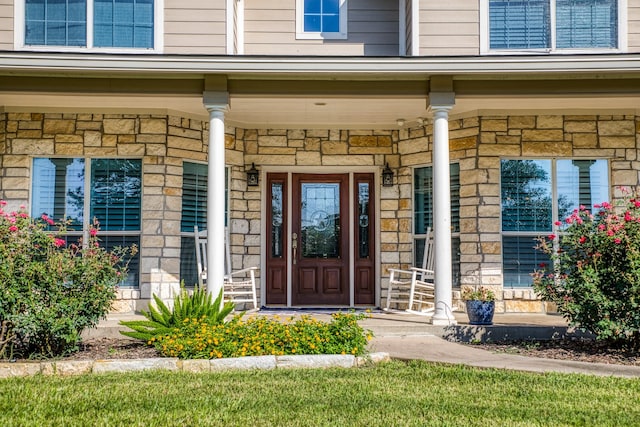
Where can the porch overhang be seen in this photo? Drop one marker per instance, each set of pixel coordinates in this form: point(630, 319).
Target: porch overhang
point(317, 92)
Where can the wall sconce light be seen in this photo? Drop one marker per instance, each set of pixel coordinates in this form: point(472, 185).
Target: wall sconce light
point(387, 177)
point(253, 175)
point(400, 122)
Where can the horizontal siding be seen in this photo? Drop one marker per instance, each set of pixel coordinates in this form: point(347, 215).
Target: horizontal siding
point(195, 27)
point(6, 24)
point(449, 28)
point(633, 25)
point(270, 29)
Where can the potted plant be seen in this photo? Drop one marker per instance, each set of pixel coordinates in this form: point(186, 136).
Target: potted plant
point(480, 304)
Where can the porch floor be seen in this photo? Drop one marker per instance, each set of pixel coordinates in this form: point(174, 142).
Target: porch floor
point(399, 323)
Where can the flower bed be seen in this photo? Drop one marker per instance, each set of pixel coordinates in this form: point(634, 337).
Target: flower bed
point(255, 336)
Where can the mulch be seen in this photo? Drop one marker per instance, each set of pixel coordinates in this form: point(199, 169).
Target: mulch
point(581, 350)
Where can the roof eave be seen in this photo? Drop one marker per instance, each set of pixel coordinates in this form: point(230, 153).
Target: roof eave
point(186, 66)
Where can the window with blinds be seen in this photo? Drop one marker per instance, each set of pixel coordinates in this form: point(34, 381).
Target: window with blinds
point(194, 197)
point(112, 24)
point(123, 23)
point(194, 212)
point(521, 24)
point(58, 190)
point(553, 24)
point(423, 214)
point(56, 22)
point(114, 186)
point(536, 194)
point(582, 23)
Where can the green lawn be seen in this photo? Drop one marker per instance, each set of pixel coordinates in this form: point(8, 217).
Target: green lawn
point(388, 394)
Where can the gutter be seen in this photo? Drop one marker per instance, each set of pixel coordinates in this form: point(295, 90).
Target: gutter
point(242, 66)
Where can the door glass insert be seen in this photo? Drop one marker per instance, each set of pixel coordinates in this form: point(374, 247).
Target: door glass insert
point(363, 219)
point(276, 220)
point(320, 220)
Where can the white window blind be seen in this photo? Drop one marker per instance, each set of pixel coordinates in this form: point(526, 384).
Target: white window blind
point(115, 189)
point(553, 24)
point(423, 213)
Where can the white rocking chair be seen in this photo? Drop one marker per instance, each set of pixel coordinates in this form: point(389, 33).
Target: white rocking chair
point(414, 288)
point(238, 286)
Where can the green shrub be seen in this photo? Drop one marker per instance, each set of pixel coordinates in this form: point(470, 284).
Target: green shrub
point(594, 278)
point(194, 305)
point(50, 290)
point(197, 338)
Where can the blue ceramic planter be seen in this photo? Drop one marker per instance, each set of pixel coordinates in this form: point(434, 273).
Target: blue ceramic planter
point(480, 312)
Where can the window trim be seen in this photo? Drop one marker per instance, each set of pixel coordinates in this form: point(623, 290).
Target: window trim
point(318, 35)
point(484, 35)
point(19, 33)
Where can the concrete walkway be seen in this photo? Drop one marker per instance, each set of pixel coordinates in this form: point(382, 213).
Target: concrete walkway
point(436, 349)
point(407, 336)
point(433, 347)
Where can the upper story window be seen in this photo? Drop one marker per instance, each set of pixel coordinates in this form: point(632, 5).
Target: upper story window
point(110, 25)
point(551, 25)
point(321, 19)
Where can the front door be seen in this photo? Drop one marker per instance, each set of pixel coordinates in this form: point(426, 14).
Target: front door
point(320, 246)
point(319, 239)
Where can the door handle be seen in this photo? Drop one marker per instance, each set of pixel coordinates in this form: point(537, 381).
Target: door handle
point(294, 246)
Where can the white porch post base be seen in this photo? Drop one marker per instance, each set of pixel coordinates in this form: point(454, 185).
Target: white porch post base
point(215, 194)
point(441, 103)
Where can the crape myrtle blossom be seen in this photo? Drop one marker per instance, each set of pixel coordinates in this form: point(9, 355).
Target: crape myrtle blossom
point(594, 276)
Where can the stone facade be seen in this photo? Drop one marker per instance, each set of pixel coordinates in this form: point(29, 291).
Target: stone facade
point(160, 141)
point(163, 142)
point(479, 143)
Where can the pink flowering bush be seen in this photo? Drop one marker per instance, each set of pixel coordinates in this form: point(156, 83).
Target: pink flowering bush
point(594, 278)
point(51, 290)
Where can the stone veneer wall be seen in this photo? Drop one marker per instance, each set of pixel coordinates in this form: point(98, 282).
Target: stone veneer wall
point(160, 141)
point(330, 148)
point(163, 142)
point(478, 144)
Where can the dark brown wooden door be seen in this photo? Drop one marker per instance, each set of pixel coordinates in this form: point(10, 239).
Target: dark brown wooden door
point(320, 239)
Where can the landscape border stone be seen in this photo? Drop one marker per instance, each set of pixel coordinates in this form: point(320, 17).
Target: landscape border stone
point(80, 367)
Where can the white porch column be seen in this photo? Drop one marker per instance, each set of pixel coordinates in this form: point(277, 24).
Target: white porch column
point(440, 104)
point(216, 103)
